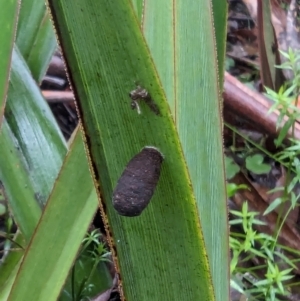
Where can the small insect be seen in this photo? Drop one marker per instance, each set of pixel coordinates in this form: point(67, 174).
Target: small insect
point(139, 94)
point(137, 183)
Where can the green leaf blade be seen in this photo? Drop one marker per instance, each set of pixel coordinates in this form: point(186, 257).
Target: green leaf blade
point(35, 128)
point(156, 244)
point(57, 239)
point(8, 25)
point(191, 70)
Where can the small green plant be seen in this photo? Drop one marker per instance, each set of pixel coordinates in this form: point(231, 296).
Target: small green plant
point(286, 99)
point(255, 164)
point(93, 245)
point(277, 268)
point(286, 103)
point(250, 245)
point(231, 168)
point(84, 271)
point(232, 188)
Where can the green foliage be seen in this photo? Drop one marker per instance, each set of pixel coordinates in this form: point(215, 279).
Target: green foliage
point(251, 244)
point(190, 185)
point(286, 99)
point(231, 168)
point(2, 209)
point(53, 212)
point(276, 266)
point(84, 274)
point(96, 249)
point(255, 164)
point(232, 188)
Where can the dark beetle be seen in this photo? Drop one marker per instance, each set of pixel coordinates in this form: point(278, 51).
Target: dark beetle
point(137, 183)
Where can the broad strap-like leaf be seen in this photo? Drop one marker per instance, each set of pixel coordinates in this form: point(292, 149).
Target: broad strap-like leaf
point(161, 253)
point(187, 61)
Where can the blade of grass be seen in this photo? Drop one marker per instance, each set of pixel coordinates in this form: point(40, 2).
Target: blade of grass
point(42, 49)
point(9, 266)
point(8, 25)
point(162, 45)
point(5, 290)
point(14, 175)
point(59, 233)
point(158, 242)
point(220, 10)
point(35, 37)
point(23, 195)
point(35, 128)
point(31, 14)
point(187, 62)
